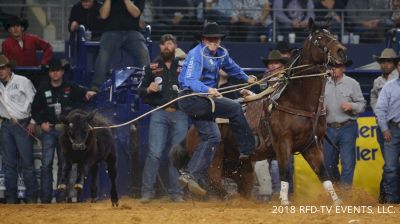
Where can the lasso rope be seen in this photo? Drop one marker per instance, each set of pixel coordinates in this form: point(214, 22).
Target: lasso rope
point(200, 94)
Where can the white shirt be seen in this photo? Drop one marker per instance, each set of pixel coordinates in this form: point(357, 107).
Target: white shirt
point(16, 97)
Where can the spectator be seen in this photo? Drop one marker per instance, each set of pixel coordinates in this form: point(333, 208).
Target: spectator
point(16, 96)
point(395, 8)
point(328, 10)
point(388, 113)
point(121, 30)
point(21, 47)
point(168, 126)
point(343, 102)
point(368, 18)
point(56, 98)
point(86, 13)
point(290, 16)
point(200, 74)
point(255, 15)
point(223, 12)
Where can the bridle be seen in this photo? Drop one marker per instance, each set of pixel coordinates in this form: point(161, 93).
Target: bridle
point(325, 48)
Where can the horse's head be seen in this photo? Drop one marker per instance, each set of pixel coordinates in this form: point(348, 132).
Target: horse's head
point(77, 128)
point(323, 47)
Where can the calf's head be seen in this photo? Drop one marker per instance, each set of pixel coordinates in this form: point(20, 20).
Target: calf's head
point(78, 129)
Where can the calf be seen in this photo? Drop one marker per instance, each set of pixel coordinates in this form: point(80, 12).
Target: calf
point(87, 147)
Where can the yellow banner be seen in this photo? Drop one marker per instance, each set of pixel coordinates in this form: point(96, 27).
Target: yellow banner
point(369, 163)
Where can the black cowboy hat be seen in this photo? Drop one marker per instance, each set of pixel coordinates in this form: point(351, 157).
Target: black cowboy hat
point(15, 21)
point(58, 64)
point(5, 62)
point(274, 55)
point(210, 29)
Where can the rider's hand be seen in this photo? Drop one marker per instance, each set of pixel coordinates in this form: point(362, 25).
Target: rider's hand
point(153, 87)
point(46, 126)
point(214, 92)
point(252, 79)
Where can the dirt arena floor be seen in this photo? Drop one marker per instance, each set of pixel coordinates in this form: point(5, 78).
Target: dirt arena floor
point(131, 211)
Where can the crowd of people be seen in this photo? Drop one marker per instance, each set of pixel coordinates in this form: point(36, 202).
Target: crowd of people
point(28, 100)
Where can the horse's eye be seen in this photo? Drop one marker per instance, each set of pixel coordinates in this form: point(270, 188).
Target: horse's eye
point(71, 125)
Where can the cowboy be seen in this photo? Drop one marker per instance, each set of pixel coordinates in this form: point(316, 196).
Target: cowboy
point(16, 96)
point(387, 60)
point(343, 102)
point(200, 75)
point(169, 121)
point(53, 100)
point(21, 47)
point(269, 181)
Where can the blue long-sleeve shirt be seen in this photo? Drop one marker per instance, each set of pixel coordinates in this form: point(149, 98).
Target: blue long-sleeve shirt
point(200, 70)
point(388, 105)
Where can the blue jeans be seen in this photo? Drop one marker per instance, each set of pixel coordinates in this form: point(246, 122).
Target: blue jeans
point(345, 139)
point(166, 129)
point(132, 41)
point(199, 108)
point(390, 169)
point(50, 143)
point(17, 141)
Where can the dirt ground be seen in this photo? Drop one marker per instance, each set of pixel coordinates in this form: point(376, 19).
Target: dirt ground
point(131, 211)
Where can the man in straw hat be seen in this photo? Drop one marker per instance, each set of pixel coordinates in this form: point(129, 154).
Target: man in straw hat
point(343, 102)
point(387, 61)
point(200, 75)
point(16, 96)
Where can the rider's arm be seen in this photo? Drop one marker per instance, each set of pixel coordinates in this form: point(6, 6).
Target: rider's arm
point(233, 69)
point(358, 104)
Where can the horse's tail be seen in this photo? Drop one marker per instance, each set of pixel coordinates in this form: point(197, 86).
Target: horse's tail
point(179, 155)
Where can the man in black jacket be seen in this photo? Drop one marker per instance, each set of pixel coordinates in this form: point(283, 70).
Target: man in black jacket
point(56, 98)
point(168, 126)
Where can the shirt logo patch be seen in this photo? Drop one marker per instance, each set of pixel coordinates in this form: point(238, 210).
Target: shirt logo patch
point(47, 94)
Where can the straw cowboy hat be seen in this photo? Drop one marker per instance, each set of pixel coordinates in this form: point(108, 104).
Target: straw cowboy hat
point(210, 29)
point(5, 62)
point(274, 55)
point(387, 53)
point(15, 21)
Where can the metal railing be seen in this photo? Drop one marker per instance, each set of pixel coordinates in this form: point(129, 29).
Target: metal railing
point(49, 20)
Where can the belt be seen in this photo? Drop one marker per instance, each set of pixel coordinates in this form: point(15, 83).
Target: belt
point(169, 109)
point(396, 124)
point(23, 120)
point(337, 125)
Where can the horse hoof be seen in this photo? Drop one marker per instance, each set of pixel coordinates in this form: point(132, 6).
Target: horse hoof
point(337, 202)
point(78, 187)
point(285, 202)
point(115, 204)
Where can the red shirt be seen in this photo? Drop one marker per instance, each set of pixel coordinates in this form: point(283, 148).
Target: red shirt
point(26, 56)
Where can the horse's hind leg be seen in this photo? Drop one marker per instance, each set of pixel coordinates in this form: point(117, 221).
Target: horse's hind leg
point(314, 157)
point(93, 185)
point(112, 173)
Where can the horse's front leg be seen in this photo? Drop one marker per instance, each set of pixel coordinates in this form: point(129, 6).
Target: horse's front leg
point(314, 157)
point(283, 157)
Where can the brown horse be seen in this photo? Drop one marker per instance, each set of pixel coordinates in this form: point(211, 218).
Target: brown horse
point(297, 120)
